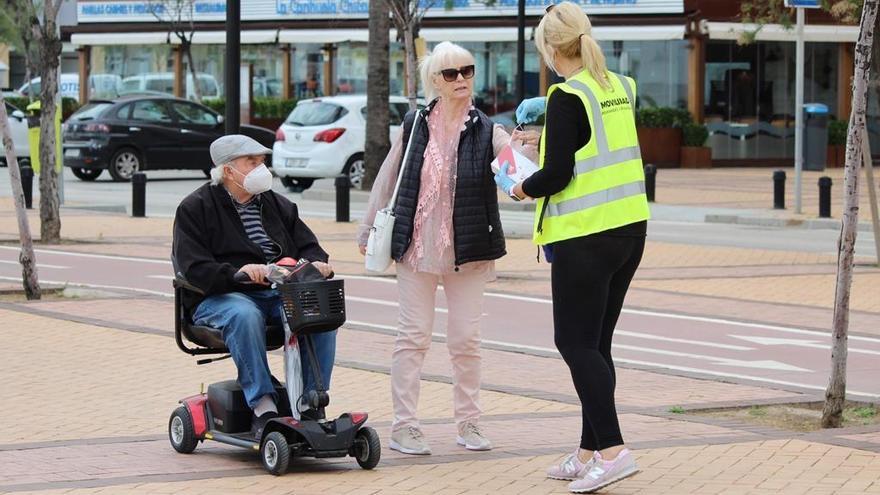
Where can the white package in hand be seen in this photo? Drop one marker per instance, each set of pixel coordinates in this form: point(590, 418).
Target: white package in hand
point(519, 169)
point(292, 370)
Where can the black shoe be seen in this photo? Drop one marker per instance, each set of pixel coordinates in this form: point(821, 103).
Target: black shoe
point(258, 423)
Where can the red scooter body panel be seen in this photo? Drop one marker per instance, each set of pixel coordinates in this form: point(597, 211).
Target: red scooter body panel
point(196, 405)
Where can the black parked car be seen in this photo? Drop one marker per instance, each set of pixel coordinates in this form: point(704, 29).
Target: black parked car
point(140, 132)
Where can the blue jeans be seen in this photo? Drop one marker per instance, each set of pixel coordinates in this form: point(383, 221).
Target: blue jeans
point(243, 316)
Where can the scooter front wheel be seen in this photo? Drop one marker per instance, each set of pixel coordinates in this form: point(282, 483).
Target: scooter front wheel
point(181, 431)
point(367, 448)
point(275, 453)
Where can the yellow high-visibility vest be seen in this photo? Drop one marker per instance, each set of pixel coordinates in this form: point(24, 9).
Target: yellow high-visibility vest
point(608, 188)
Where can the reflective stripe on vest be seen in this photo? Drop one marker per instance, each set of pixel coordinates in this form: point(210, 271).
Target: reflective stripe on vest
point(602, 157)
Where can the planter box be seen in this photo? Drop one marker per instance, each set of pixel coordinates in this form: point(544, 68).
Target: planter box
point(696, 157)
point(835, 156)
point(660, 146)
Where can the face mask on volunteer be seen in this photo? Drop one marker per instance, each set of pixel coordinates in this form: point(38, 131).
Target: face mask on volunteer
point(258, 180)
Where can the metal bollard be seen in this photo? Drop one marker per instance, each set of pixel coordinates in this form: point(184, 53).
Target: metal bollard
point(138, 194)
point(343, 198)
point(824, 197)
point(27, 183)
point(650, 181)
point(779, 190)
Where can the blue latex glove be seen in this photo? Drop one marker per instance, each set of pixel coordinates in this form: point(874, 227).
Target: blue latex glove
point(529, 110)
point(503, 180)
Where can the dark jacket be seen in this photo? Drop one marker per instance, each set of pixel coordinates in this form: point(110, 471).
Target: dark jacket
point(210, 244)
point(477, 233)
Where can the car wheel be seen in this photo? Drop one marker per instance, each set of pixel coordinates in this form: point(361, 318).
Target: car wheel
point(356, 169)
point(296, 185)
point(124, 164)
point(86, 174)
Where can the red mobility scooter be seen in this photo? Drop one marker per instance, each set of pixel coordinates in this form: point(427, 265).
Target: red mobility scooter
point(222, 414)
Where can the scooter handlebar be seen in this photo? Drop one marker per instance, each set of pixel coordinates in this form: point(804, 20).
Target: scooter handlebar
point(241, 277)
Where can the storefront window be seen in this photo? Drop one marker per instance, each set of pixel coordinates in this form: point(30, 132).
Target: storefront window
point(749, 96)
point(351, 68)
point(659, 68)
point(268, 67)
point(127, 68)
point(307, 70)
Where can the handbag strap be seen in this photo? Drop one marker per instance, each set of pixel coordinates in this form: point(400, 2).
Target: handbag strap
point(405, 157)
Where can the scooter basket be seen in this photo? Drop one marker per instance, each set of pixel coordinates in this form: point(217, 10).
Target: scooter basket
point(314, 307)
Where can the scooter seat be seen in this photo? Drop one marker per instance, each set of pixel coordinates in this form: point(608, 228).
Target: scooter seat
point(212, 338)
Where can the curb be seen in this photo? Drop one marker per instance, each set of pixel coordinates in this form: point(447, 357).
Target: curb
point(808, 223)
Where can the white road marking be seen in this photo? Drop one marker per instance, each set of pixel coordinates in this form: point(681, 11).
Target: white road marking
point(773, 341)
point(94, 256)
point(547, 350)
point(765, 364)
point(95, 286)
point(39, 265)
point(649, 336)
point(384, 302)
point(161, 277)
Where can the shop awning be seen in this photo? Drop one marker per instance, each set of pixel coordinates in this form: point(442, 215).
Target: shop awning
point(157, 38)
point(604, 33)
point(776, 32)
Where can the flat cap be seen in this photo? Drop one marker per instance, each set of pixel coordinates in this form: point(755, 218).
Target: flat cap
point(228, 148)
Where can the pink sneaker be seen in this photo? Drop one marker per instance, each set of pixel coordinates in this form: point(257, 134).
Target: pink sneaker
point(603, 473)
point(571, 468)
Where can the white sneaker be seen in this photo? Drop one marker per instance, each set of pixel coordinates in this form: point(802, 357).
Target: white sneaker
point(409, 440)
point(471, 437)
point(571, 468)
point(604, 473)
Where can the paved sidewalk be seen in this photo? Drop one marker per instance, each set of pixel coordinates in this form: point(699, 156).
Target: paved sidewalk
point(89, 384)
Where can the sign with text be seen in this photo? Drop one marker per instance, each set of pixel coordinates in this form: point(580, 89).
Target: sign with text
point(804, 4)
point(96, 11)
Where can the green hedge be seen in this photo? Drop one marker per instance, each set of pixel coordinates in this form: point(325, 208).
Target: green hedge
point(837, 130)
point(694, 134)
point(263, 108)
point(662, 117)
point(18, 102)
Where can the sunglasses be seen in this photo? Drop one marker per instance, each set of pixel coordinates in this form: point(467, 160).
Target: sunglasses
point(450, 75)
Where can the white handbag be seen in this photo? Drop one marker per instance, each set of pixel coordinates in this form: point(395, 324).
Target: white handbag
point(378, 256)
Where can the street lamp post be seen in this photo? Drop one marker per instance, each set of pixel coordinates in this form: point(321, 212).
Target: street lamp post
point(233, 61)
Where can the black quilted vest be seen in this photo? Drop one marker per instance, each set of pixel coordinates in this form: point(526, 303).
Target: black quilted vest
point(477, 233)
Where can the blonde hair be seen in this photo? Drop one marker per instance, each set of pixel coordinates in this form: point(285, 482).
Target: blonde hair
point(566, 30)
point(443, 56)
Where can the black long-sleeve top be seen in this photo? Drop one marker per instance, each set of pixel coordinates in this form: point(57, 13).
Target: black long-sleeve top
point(567, 130)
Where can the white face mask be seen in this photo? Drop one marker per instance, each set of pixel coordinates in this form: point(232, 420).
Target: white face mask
point(258, 180)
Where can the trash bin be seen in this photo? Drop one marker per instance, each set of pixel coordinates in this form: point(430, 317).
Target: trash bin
point(815, 142)
point(33, 120)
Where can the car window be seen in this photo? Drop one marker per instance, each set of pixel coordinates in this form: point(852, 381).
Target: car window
point(193, 114)
point(160, 85)
point(90, 111)
point(309, 113)
point(123, 112)
point(208, 86)
point(150, 111)
point(131, 85)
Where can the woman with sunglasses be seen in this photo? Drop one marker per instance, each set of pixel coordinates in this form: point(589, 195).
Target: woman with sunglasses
point(447, 231)
point(592, 212)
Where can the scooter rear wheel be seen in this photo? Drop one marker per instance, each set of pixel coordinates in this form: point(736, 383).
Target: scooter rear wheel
point(367, 448)
point(275, 453)
point(181, 431)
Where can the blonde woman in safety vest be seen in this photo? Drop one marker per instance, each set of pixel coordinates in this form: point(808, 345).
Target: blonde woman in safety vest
point(591, 216)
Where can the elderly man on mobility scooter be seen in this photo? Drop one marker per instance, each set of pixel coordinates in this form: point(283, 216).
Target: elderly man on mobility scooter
point(237, 224)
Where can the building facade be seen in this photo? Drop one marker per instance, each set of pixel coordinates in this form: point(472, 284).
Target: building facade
point(682, 53)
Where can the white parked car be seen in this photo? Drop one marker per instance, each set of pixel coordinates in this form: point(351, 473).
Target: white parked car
point(324, 137)
point(100, 86)
point(163, 82)
point(19, 130)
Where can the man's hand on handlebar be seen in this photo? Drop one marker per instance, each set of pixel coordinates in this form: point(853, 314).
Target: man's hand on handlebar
point(256, 273)
point(325, 269)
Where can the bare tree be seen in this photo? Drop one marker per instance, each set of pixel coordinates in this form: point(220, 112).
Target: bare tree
point(407, 16)
point(835, 394)
point(377, 139)
point(27, 259)
point(178, 14)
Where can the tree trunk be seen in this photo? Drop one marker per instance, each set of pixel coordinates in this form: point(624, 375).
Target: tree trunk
point(412, 67)
point(835, 394)
point(27, 259)
point(50, 219)
point(186, 46)
point(377, 139)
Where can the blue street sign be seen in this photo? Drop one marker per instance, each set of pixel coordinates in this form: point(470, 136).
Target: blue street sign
point(804, 4)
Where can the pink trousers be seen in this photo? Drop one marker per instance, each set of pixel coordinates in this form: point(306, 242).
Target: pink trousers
point(464, 297)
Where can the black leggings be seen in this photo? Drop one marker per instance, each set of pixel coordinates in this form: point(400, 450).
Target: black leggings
point(590, 277)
